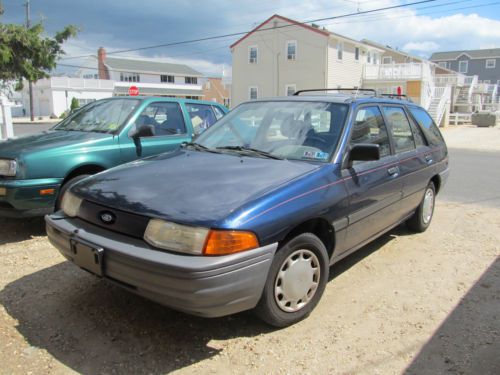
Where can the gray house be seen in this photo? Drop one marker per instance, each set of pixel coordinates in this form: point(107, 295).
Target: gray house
point(484, 63)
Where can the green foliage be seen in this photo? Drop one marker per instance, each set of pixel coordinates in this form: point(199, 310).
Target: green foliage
point(27, 53)
point(74, 104)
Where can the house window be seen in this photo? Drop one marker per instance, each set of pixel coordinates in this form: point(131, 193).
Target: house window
point(252, 55)
point(129, 77)
point(369, 58)
point(291, 50)
point(463, 66)
point(443, 64)
point(356, 53)
point(167, 78)
point(387, 60)
point(375, 58)
point(191, 80)
point(290, 90)
point(253, 92)
point(340, 50)
point(490, 63)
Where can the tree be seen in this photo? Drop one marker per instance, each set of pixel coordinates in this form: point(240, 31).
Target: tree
point(74, 104)
point(27, 53)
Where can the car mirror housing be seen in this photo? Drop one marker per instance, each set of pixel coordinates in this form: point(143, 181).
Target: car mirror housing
point(364, 152)
point(142, 131)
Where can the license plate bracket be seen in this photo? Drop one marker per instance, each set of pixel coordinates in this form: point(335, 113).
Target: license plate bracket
point(88, 257)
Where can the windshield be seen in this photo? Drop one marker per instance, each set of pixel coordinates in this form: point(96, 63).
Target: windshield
point(102, 116)
point(290, 130)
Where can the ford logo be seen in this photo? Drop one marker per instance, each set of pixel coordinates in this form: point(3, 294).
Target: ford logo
point(107, 217)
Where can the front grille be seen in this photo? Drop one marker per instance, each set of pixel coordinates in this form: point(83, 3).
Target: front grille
point(124, 222)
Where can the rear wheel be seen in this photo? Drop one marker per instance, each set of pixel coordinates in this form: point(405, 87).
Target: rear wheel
point(422, 217)
point(296, 281)
point(65, 187)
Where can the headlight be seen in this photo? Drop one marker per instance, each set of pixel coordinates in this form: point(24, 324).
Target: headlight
point(196, 240)
point(8, 167)
point(70, 204)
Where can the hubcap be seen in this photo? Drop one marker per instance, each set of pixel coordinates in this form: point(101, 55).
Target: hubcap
point(428, 206)
point(297, 280)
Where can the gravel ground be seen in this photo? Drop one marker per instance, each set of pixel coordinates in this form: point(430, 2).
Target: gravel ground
point(415, 304)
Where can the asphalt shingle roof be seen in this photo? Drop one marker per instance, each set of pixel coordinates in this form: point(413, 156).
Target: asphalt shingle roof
point(145, 66)
point(475, 54)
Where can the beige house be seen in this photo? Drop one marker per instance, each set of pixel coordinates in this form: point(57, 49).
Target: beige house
point(281, 56)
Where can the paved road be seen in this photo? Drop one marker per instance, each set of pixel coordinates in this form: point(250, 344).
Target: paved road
point(25, 129)
point(474, 178)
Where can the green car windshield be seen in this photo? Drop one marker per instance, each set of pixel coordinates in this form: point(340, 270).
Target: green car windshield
point(102, 116)
point(279, 129)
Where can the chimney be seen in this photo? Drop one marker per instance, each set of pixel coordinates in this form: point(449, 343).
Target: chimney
point(101, 67)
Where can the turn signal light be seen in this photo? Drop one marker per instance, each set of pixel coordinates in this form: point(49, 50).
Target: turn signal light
point(47, 192)
point(223, 242)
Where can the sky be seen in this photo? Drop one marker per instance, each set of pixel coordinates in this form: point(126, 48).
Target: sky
point(422, 29)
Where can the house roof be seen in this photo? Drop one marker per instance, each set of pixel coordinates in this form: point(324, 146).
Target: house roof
point(308, 27)
point(473, 54)
point(387, 48)
point(148, 66)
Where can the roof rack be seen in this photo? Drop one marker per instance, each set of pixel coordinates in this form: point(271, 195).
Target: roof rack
point(396, 96)
point(354, 90)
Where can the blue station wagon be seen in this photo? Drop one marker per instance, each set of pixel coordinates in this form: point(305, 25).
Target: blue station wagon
point(254, 212)
point(36, 170)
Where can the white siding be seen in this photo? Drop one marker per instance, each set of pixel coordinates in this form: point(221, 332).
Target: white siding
point(273, 71)
point(346, 72)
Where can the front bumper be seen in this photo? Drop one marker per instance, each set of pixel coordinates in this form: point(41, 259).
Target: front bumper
point(203, 286)
point(22, 198)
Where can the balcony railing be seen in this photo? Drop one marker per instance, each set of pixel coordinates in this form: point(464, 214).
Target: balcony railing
point(443, 80)
point(395, 71)
point(80, 83)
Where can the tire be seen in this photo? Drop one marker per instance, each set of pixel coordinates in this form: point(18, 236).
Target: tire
point(65, 187)
point(304, 256)
point(421, 219)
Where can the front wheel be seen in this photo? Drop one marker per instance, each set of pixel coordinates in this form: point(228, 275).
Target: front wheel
point(296, 281)
point(422, 217)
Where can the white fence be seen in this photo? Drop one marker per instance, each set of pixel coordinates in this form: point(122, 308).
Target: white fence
point(394, 71)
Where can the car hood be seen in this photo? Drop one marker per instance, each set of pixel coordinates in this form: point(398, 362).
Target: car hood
point(191, 187)
point(12, 148)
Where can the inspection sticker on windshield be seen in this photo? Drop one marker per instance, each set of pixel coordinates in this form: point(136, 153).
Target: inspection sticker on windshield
point(316, 155)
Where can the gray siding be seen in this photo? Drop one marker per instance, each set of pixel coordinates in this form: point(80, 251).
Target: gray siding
point(477, 67)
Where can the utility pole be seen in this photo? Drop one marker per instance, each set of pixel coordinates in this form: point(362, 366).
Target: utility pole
point(30, 84)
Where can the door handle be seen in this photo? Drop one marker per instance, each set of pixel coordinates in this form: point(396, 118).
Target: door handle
point(393, 171)
point(428, 159)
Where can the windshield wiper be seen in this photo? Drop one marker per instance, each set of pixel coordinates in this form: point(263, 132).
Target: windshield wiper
point(199, 147)
point(249, 150)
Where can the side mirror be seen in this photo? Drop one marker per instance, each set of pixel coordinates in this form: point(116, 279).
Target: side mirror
point(142, 131)
point(363, 152)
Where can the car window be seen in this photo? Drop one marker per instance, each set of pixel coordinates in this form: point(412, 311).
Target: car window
point(418, 135)
point(202, 116)
point(369, 127)
point(163, 118)
point(431, 131)
point(286, 129)
point(399, 126)
point(101, 116)
point(219, 113)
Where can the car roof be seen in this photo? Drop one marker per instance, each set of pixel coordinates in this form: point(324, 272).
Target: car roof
point(163, 98)
point(336, 98)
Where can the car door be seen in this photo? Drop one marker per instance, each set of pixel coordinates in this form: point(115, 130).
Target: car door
point(169, 128)
point(413, 155)
point(374, 187)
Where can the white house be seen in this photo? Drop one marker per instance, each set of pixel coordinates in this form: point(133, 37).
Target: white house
point(281, 56)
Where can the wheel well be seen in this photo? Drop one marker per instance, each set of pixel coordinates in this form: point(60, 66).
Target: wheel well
point(84, 169)
point(437, 183)
point(319, 227)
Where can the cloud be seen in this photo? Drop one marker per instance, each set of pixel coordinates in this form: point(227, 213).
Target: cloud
point(427, 46)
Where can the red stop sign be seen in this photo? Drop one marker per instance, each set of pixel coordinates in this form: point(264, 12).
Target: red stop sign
point(133, 91)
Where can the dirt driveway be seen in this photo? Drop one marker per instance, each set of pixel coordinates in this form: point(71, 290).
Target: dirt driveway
point(420, 304)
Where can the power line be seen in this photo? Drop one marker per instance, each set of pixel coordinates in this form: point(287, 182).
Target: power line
point(259, 30)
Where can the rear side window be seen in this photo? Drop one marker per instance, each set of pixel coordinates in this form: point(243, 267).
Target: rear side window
point(428, 126)
point(218, 112)
point(202, 117)
point(369, 127)
point(399, 127)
